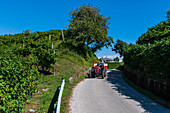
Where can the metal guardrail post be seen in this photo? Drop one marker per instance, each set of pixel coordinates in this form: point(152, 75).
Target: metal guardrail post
point(59, 97)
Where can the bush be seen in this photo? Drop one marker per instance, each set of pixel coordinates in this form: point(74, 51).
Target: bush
point(153, 59)
point(151, 53)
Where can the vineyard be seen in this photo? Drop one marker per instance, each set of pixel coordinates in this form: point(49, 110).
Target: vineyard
point(150, 54)
point(22, 55)
point(147, 62)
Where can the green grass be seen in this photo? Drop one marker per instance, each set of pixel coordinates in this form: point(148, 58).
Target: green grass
point(114, 65)
point(147, 93)
point(68, 64)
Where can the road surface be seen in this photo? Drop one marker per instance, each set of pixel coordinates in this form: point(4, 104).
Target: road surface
point(111, 95)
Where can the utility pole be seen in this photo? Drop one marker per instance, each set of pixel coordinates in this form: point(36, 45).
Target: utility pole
point(54, 63)
point(62, 35)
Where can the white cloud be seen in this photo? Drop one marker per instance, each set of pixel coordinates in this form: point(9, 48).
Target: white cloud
point(120, 60)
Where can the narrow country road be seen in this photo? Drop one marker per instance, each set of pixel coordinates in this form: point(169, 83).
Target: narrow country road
point(111, 95)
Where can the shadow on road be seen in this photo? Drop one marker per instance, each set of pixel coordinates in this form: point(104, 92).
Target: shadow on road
point(118, 84)
point(98, 77)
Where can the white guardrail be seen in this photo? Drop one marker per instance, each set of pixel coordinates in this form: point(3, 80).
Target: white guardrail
point(59, 97)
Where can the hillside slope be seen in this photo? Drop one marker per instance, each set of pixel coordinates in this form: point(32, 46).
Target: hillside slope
point(34, 64)
point(69, 64)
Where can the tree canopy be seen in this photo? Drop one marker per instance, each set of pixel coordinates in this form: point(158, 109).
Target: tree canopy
point(120, 47)
point(150, 54)
point(88, 27)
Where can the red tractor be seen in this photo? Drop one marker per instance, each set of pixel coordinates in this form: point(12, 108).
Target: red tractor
point(98, 69)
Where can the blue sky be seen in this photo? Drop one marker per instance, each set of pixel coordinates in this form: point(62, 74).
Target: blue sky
point(129, 18)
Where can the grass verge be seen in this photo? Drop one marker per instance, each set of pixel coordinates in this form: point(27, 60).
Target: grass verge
point(68, 65)
point(43, 101)
point(147, 93)
point(114, 65)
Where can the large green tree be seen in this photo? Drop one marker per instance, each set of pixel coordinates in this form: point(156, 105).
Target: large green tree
point(120, 47)
point(88, 27)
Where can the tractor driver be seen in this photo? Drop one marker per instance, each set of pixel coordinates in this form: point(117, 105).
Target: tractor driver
point(98, 64)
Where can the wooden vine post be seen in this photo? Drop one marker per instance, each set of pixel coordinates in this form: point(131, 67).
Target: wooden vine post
point(62, 35)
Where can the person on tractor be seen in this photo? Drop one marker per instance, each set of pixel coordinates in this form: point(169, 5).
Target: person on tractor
point(102, 63)
point(98, 64)
point(98, 69)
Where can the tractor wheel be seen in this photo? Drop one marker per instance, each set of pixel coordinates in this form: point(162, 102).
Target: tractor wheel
point(103, 73)
point(90, 75)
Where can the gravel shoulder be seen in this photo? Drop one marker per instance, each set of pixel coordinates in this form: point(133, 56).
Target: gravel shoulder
point(111, 95)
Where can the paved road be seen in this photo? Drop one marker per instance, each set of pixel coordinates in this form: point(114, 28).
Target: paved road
point(111, 95)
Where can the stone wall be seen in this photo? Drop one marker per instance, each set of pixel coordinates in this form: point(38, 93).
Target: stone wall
point(71, 79)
